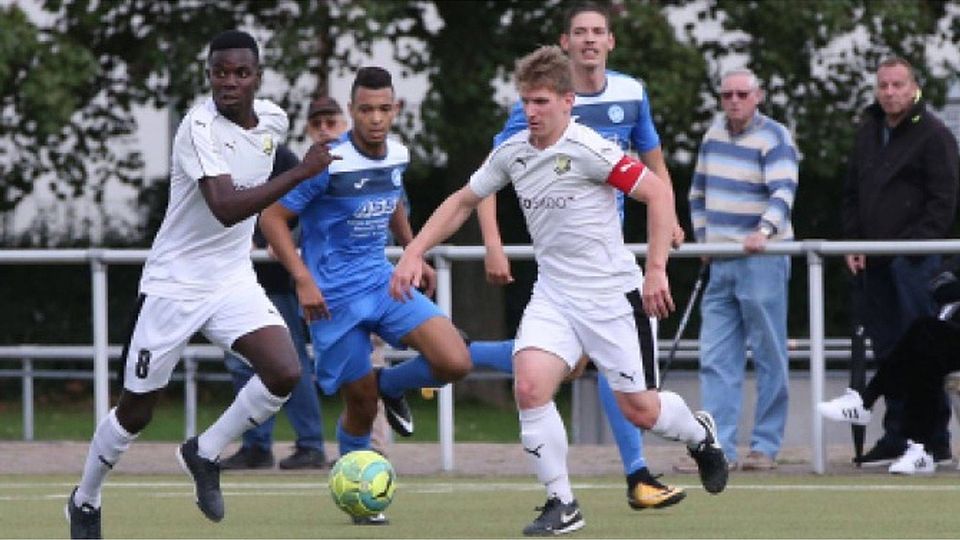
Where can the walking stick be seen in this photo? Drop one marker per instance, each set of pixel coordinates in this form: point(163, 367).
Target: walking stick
point(702, 277)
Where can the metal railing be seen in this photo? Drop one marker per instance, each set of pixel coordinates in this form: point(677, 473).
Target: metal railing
point(813, 252)
point(31, 356)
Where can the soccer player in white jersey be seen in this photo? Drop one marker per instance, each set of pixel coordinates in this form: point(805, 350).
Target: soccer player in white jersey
point(588, 296)
point(612, 103)
point(617, 107)
point(199, 278)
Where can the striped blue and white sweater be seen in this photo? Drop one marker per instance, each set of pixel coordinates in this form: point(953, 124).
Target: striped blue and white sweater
point(742, 180)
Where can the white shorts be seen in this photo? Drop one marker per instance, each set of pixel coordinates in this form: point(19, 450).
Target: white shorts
point(615, 333)
point(164, 326)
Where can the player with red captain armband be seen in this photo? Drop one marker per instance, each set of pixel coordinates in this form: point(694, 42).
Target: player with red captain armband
point(587, 298)
point(627, 173)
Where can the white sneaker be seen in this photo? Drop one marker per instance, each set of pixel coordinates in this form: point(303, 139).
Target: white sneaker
point(915, 460)
point(846, 408)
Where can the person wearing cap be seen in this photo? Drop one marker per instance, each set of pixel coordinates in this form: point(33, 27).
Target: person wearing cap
point(325, 120)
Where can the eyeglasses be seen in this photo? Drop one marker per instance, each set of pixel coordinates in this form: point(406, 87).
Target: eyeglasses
point(741, 94)
point(321, 121)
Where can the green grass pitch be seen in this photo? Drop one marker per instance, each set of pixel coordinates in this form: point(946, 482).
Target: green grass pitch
point(299, 506)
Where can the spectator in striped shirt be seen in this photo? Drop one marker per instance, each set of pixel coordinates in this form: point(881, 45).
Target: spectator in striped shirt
point(742, 191)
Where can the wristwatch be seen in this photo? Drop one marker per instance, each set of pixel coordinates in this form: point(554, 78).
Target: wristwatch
point(767, 230)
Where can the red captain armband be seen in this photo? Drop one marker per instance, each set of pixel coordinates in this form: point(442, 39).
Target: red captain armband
point(626, 173)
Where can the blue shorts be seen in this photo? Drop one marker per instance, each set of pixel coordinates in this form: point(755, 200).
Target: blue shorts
point(341, 344)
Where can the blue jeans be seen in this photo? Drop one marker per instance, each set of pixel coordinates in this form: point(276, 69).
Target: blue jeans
point(897, 294)
point(745, 303)
point(303, 407)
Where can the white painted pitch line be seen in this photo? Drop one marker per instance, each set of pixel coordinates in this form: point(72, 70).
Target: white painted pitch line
point(300, 489)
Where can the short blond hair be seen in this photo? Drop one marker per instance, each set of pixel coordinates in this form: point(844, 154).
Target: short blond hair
point(547, 67)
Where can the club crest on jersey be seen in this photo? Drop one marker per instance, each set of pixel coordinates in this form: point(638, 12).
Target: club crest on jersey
point(562, 165)
point(268, 144)
point(615, 113)
point(397, 176)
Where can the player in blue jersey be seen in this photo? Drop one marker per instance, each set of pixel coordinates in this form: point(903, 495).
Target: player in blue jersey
point(617, 107)
point(342, 274)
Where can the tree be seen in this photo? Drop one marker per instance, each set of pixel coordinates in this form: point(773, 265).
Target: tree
point(44, 83)
point(67, 93)
point(468, 50)
point(68, 90)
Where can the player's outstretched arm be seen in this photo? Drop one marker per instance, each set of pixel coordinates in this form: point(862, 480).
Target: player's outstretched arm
point(273, 225)
point(495, 261)
point(231, 205)
point(403, 235)
point(445, 220)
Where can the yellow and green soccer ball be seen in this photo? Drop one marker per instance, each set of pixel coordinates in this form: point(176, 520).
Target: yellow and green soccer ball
point(362, 483)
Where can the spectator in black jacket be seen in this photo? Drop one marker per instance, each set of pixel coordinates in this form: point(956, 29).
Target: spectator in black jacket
point(902, 184)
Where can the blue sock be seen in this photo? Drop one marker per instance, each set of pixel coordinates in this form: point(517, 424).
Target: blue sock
point(414, 373)
point(496, 355)
point(628, 436)
point(349, 443)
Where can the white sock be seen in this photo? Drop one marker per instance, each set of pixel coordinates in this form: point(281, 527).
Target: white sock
point(676, 421)
point(109, 442)
point(544, 439)
point(253, 404)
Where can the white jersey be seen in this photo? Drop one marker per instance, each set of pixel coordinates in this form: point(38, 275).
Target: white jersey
point(193, 254)
point(571, 211)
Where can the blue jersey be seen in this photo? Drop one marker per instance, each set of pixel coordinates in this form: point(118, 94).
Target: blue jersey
point(620, 113)
point(345, 218)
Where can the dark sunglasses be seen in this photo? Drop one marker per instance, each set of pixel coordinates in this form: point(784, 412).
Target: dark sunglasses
point(319, 121)
point(741, 94)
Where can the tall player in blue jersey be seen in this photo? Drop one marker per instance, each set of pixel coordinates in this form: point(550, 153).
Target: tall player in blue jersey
point(616, 106)
point(342, 275)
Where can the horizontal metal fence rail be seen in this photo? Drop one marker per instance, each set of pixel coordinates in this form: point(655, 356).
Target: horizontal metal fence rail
point(30, 357)
point(813, 252)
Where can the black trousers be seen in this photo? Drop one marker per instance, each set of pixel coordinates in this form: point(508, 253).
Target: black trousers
point(913, 374)
point(896, 295)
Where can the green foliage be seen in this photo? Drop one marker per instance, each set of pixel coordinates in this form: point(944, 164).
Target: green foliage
point(45, 79)
point(67, 90)
point(675, 73)
point(70, 88)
